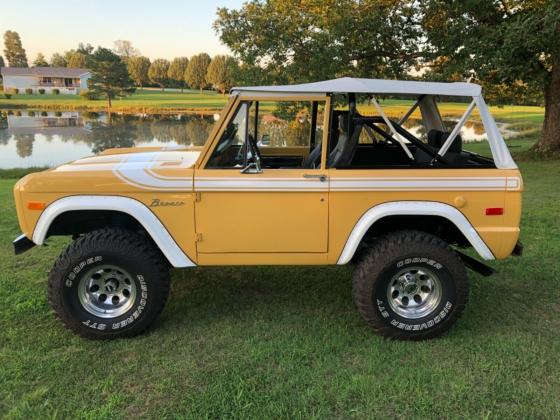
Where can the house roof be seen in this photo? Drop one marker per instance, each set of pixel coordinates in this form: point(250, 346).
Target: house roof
point(44, 71)
point(379, 86)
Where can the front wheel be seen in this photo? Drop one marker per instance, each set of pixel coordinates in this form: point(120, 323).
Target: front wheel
point(410, 285)
point(109, 283)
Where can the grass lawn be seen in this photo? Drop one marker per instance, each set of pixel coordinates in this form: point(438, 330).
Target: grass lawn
point(147, 100)
point(287, 342)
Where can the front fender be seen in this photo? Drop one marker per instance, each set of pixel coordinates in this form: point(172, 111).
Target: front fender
point(134, 208)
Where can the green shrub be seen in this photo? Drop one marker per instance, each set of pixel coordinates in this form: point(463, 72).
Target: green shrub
point(44, 113)
point(30, 113)
point(56, 91)
point(28, 91)
point(8, 95)
point(41, 91)
point(58, 114)
point(88, 94)
point(16, 91)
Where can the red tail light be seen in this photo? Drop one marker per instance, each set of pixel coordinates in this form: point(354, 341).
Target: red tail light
point(494, 211)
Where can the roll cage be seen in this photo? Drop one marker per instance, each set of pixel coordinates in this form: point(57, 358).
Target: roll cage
point(424, 94)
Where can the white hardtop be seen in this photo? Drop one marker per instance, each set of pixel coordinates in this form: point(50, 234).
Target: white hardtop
point(374, 86)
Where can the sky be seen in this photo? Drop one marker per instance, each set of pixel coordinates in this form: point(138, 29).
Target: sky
point(158, 28)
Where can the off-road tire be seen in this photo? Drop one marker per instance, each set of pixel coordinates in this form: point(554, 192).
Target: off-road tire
point(128, 251)
point(378, 273)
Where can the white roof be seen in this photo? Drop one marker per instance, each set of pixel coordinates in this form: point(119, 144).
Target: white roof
point(378, 86)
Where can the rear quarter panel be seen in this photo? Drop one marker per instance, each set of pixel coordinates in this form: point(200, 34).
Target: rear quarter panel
point(353, 192)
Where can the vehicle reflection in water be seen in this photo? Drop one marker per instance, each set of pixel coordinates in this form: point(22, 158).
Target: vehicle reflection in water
point(49, 138)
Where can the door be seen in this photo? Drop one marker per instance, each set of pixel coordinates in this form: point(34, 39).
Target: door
point(260, 191)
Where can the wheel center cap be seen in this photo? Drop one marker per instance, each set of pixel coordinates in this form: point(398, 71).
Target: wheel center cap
point(111, 285)
point(411, 288)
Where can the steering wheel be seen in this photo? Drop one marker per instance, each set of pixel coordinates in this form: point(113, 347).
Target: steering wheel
point(254, 148)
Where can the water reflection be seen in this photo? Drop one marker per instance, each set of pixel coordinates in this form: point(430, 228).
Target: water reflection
point(48, 138)
point(472, 130)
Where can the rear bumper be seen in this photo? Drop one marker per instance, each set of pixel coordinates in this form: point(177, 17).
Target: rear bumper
point(22, 244)
point(518, 249)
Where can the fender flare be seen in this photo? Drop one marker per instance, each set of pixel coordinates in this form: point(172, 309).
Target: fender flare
point(413, 208)
point(130, 206)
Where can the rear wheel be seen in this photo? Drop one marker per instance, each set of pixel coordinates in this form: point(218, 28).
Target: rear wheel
point(410, 285)
point(109, 283)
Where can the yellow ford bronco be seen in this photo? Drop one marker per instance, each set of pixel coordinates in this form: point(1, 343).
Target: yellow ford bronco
point(310, 174)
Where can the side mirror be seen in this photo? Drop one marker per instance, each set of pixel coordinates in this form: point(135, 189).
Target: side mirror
point(252, 168)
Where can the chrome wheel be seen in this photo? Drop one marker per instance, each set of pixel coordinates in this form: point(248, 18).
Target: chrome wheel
point(414, 292)
point(107, 291)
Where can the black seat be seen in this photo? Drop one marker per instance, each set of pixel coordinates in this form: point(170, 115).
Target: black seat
point(343, 153)
point(437, 138)
point(313, 159)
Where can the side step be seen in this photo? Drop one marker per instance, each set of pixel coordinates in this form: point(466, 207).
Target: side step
point(476, 265)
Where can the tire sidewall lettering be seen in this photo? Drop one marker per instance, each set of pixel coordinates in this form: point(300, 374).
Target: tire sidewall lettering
point(75, 271)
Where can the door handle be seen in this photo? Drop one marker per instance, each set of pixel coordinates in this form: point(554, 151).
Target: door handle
point(320, 177)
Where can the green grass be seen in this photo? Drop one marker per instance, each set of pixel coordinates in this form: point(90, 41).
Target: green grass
point(287, 342)
point(147, 100)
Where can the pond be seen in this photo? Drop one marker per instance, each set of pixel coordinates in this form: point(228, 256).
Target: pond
point(48, 138)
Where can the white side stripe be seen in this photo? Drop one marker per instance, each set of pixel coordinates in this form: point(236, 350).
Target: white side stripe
point(263, 184)
point(357, 184)
point(418, 184)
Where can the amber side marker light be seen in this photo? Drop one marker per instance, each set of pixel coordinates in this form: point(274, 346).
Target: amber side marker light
point(494, 211)
point(36, 205)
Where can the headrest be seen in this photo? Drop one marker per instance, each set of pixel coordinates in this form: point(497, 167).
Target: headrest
point(343, 123)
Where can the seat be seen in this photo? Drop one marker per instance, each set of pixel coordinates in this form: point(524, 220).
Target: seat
point(314, 158)
point(343, 153)
point(436, 138)
point(454, 155)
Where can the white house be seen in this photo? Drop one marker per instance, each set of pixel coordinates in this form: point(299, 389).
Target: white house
point(67, 80)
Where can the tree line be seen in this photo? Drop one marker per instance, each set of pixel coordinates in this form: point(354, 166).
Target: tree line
point(130, 68)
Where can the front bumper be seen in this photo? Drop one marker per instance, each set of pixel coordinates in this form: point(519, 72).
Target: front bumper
point(22, 244)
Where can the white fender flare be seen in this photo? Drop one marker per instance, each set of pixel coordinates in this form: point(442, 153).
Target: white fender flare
point(413, 208)
point(132, 207)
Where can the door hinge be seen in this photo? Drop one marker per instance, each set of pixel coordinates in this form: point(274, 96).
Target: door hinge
point(198, 237)
point(197, 197)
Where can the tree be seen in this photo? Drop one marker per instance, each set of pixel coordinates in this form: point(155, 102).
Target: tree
point(78, 57)
point(2, 61)
point(138, 69)
point(177, 69)
point(221, 72)
point(40, 61)
point(158, 72)
point(513, 42)
point(58, 60)
point(304, 40)
point(75, 58)
point(13, 50)
point(125, 49)
point(109, 75)
point(195, 75)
